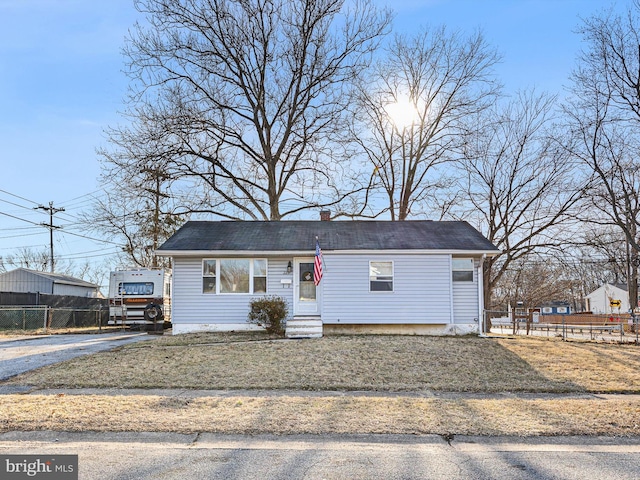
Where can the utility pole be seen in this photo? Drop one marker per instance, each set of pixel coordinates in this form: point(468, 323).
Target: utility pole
point(52, 211)
point(158, 176)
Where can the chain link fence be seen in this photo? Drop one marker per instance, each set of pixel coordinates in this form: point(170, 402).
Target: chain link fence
point(607, 328)
point(47, 318)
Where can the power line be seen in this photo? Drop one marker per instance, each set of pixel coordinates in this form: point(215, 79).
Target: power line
point(82, 196)
point(21, 219)
point(91, 238)
point(21, 247)
point(17, 196)
point(90, 199)
point(81, 257)
point(21, 235)
point(14, 204)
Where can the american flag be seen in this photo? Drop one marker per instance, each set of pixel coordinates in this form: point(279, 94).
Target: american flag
point(317, 265)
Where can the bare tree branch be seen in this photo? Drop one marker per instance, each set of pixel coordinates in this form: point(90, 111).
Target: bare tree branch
point(248, 97)
point(412, 112)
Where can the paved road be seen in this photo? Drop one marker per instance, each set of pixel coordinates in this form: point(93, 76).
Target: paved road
point(142, 456)
point(27, 353)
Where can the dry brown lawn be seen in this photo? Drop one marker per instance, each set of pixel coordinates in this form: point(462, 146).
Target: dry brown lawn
point(353, 363)
point(295, 414)
point(391, 380)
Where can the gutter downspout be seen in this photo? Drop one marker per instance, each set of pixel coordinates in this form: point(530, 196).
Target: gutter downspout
point(452, 319)
point(481, 331)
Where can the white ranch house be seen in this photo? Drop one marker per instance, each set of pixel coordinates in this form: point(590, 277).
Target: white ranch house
point(419, 277)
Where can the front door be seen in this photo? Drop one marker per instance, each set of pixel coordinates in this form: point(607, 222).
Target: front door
point(306, 294)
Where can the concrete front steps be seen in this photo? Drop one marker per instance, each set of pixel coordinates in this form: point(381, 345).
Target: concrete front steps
point(304, 327)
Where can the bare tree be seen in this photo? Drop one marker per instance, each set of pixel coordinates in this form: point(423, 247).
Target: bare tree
point(534, 280)
point(247, 96)
point(144, 201)
point(411, 112)
point(519, 187)
point(29, 258)
point(602, 249)
point(39, 260)
point(603, 119)
point(139, 211)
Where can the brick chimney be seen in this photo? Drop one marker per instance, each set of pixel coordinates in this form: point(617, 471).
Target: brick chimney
point(325, 215)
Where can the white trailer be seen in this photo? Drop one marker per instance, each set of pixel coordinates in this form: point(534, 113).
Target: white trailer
point(140, 297)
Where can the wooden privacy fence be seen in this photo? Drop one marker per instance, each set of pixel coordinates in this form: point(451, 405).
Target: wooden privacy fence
point(586, 319)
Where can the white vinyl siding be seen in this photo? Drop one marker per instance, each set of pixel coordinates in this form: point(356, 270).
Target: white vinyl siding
point(465, 297)
point(421, 290)
point(191, 306)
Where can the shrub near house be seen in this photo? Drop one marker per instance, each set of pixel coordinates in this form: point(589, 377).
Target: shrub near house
point(270, 313)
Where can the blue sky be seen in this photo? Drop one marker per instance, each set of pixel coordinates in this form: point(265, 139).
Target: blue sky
point(61, 85)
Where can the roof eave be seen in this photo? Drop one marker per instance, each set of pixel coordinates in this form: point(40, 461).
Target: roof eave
point(253, 253)
point(75, 284)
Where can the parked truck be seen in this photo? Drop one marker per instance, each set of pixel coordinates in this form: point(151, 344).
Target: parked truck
point(140, 298)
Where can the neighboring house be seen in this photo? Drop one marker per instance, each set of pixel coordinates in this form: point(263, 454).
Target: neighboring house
point(601, 300)
point(555, 308)
point(24, 280)
point(378, 276)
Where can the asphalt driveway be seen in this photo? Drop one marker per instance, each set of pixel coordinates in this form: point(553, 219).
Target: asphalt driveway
point(21, 354)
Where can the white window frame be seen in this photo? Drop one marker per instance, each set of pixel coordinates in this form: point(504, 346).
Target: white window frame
point(252, 277)
point(387, 278)
point(215, 276)
point(455, 268)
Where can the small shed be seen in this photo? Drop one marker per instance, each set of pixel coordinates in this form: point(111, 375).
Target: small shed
point(608, 299)
point(23, 280)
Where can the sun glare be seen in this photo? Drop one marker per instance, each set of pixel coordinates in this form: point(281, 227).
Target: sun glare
point(402, 113)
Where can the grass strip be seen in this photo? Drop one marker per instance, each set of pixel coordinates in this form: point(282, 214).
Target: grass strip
point(287, 415)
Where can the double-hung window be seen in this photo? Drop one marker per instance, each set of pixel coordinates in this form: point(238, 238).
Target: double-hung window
point(259, 275)
point(381, 276)
point(234, 275)
point(462, 269)
point(209, 276)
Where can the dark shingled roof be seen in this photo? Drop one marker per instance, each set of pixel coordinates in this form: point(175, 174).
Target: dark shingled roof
point(298, 236)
